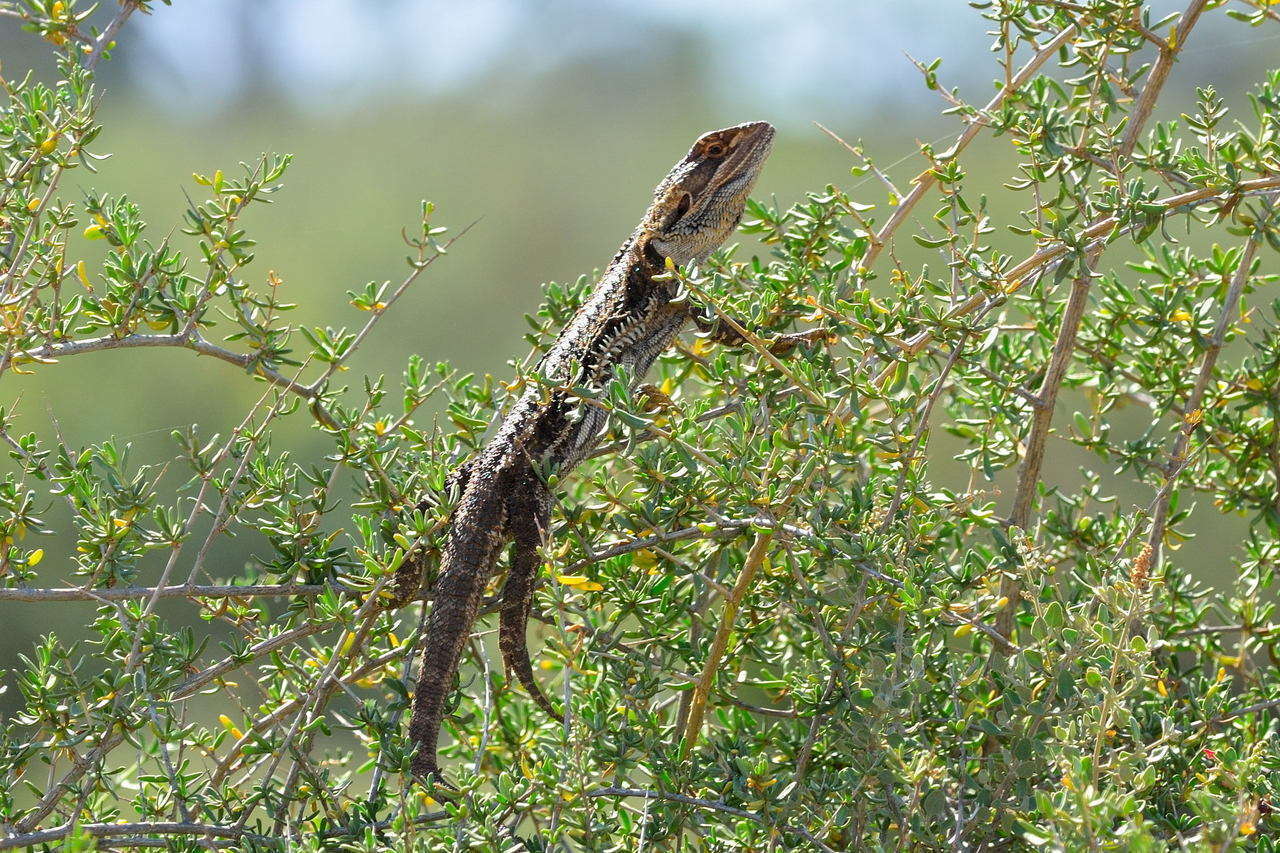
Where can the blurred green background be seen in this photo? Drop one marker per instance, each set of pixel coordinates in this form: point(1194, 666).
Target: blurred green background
point(549, 122)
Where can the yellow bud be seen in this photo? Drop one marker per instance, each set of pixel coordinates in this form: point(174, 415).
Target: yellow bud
point(230, 726)
point(963, 630)
point(34, 558)
point(645, 558)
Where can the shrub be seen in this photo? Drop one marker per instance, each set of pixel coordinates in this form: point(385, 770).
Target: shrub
point(827, 601)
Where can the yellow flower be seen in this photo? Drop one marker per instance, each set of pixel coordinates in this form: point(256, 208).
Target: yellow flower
point(1181, 316)
point(34, 558)
point(1248, 828)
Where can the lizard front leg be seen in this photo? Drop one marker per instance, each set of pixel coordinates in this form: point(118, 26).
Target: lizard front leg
point(721, 332)
point(517, 600)
point(407, 583)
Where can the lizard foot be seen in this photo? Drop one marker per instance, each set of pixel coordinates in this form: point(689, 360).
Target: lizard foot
point(654, 398)
point(784, 344)
point(427, 774)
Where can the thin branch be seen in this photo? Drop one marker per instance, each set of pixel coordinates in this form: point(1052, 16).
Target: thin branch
point(109, 33)
point(925, 181)
point(698, 706)
point(1155, 80)
point(1257, 631)
point(131, 834)
point(51, 352)
point(129, 593)
point(1178, 453)
point(1094, 235)
point(1252, 709)
point(204, 676)
point(713, 805)
point(112, 830)
point(1041, 422)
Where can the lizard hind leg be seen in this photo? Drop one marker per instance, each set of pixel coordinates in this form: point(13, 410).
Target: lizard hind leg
point(517, 600)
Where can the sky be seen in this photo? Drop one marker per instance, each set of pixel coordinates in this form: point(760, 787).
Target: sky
point(791, 57)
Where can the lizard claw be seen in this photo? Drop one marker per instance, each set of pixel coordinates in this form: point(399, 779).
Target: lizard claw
point(784, 344)
point(427, 774)
point(654, 397)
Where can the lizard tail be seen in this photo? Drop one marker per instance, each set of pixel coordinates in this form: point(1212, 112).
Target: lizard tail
point(468, 561)
point(517, 598)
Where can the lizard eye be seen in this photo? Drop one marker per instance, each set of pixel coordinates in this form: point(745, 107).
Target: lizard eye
point(713, 149)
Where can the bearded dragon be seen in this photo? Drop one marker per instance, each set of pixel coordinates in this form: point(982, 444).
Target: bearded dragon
point(630, 317)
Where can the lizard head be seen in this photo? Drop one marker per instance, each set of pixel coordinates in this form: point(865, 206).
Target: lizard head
point(700, 202)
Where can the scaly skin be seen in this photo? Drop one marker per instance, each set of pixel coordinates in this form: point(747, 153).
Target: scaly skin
point(628, 320)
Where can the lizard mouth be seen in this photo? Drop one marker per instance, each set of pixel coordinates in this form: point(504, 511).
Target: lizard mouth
point(750, 147)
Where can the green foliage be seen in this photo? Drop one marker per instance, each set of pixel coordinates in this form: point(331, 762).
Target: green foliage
point(823, 600)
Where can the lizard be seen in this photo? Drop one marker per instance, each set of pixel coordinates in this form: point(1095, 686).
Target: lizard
point(630, 317)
